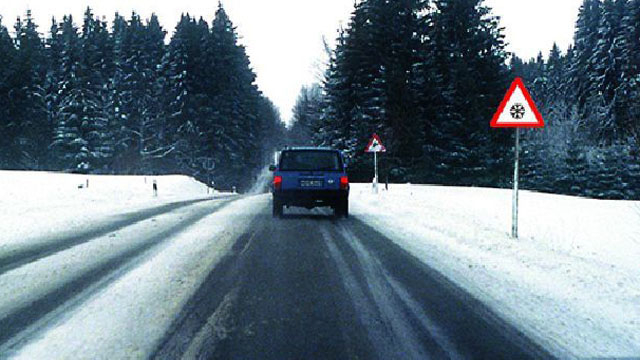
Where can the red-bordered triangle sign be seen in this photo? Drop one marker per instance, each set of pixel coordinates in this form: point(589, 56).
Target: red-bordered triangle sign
point(375, 145)
point(517, 110)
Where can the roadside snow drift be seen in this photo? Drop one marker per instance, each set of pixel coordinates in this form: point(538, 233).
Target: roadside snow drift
point(42, 206)
point(572, 280)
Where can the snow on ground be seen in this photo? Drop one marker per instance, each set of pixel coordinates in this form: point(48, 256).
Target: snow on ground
point(572, 280)
point(41, 205)
point(149, 296)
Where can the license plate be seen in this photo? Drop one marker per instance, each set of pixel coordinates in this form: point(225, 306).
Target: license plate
point(311, 183)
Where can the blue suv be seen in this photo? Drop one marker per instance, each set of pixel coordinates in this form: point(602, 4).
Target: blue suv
point(309, 178)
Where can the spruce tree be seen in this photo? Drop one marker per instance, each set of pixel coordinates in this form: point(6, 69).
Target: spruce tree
point(7, 73)
point(585, 41)
point(307, 114)
point(230, 105)
point(181, 97)
point(154, 148)
point(608, 105)
point(52, 99)
point(95, 61)
point(136, 109)
point(631, 80)
point(69, 141)
point(29, 124)
point(336, 125)
point(371, 85)
point(471, 58)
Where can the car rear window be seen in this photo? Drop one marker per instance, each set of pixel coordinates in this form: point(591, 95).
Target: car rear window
point(309, 160)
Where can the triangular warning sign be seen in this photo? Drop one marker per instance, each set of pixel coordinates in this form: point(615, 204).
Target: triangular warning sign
point(375, 145)
point(517, 110)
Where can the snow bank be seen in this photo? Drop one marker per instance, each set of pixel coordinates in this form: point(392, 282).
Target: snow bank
point(36, 205)
point(572, 280)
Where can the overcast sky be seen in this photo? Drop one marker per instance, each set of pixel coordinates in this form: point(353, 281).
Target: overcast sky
point(284, 37)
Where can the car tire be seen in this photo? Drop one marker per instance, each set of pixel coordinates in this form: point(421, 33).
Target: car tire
point(345, 207)
point(341, 209)
point(277, 208)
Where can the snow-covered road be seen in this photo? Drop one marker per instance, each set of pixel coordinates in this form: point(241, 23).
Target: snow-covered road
point(135, 272)
point(417, 272)
point(223, 279)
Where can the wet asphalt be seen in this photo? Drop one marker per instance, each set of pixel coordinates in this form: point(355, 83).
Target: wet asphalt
point(310, 286)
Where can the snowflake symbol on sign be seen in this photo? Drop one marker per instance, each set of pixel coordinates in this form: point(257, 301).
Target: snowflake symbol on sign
point(517, 111)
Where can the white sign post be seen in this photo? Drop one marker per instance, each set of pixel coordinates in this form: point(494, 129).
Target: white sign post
point(375, 146)
point(375, 176)
point(516, 179)
point(517, 110)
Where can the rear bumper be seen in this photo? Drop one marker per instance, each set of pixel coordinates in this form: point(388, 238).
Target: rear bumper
point(310, 198)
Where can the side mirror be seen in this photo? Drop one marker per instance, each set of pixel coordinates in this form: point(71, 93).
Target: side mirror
point(272, 168)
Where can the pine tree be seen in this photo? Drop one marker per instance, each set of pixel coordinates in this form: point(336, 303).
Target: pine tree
point(231, 127)
point(69, 143)
point(81, 135)
point(155, 147)
point(95, 63)
point(631, 25)
point(609, 117)
point(432, 99)
point(181, 108)
point(631, 80)
point(405, 128)
point(7, 73)
point(371, 85)
point(336, 126)
point(272, 131)
point(52, 79)
point(471, 58)
point(118, 116)
point(136, 109)
point(307, 114)
point(30, 128)
point(585, 41)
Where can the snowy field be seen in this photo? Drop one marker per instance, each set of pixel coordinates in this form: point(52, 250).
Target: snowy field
point(37, 206)
point(572, 280)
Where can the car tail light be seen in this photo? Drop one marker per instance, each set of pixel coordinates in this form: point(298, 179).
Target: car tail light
point(277, 182)
point(344, 182)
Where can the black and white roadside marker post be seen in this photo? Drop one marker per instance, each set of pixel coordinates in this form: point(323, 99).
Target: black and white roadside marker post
point(375, 146)
point(517, 110)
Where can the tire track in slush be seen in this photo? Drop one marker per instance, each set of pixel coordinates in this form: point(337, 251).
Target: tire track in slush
point(56, 244)
point(205, 319)
point(394, 306)
point(312, 286)
point(24, 321)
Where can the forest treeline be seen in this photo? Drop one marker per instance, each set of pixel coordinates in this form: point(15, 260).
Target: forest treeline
point(117, 99)
point(427, 75)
